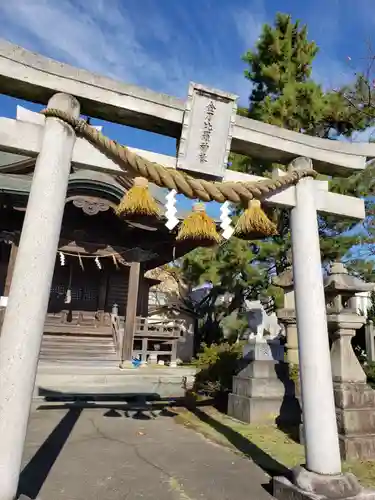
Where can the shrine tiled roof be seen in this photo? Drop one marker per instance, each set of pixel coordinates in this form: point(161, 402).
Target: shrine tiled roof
point(16, 176)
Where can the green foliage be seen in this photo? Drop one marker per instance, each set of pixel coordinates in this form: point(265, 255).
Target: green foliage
point(217, 364)
point(234, 326)
point(359, 351)
point(355, 102)
point(294, 373)
point(231, 266)
point(371, 309)
point(282, 55)
point(362, 262)
point(294, 376)
point(370, 372)
point(283, 93)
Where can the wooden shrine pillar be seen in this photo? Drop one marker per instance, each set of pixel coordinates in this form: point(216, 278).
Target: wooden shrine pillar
point(103, 286)
point(8, 278)
point(130, 312)
point(11, 262)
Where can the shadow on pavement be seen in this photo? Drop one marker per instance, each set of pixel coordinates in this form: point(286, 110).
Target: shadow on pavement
point(269, 465)
point(113, 402)
point(36, 471)
point(142, 407)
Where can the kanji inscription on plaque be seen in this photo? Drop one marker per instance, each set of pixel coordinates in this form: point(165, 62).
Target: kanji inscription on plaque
point(206, 131)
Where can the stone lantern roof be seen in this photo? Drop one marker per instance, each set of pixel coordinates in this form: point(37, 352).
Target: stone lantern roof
point(339, 280)
point(285, 279)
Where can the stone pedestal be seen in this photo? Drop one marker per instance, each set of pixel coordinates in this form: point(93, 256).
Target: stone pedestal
point(355, 412)
point(355, 415)
point(262, 390)
point(354, 399)
point(309, 485)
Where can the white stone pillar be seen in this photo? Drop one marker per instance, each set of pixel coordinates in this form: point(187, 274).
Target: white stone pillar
point(319, 417)
point(29, 292)
point(370, 344)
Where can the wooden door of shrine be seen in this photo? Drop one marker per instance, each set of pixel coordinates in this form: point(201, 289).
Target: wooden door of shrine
point(74, 304)
point(81, 300)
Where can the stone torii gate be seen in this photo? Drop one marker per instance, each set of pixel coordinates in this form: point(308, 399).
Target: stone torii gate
point(32, 77)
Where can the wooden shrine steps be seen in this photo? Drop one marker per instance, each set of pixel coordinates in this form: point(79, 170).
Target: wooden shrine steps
point(78, 349)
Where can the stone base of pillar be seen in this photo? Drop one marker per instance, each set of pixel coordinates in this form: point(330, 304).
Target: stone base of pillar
point(355, 413)
point(261, 391)
point(309, 485)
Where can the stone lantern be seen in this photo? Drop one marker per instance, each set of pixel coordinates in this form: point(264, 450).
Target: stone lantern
point(354, 399)
point(287, 314)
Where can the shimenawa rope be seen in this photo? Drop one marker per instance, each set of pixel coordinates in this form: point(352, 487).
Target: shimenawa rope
point(191, 187)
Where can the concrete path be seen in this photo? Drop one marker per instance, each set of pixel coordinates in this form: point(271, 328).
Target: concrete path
point(102, 454)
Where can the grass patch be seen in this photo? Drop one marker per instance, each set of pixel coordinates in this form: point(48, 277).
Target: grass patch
point(265, 444)
point(363, 469)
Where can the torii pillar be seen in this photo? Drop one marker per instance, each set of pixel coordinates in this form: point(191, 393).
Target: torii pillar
point(23, 324)
point(321, 477)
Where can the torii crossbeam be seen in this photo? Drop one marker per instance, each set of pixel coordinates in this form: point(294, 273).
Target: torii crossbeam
point(32, 77)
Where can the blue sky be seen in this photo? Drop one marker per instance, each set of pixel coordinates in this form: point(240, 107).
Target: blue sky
point(164, 44)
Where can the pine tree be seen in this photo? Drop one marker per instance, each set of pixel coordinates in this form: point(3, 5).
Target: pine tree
point(283, 94)
point(280, 70)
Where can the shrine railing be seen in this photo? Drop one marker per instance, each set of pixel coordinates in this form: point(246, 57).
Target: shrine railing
point(90, 322)
point(116, 331)
point(155, 340)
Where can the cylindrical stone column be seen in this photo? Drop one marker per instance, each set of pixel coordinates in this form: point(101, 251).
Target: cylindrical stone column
point(292, 343)
point(23, 324)
point(319, 416)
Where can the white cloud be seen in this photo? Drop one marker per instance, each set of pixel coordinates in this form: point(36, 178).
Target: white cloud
point(102, 40)
point(249, 23)
point(140, 43)
point(130, 41)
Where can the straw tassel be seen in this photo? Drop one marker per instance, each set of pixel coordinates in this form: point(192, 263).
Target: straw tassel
point(199, 227)
point(138, 201)
point(254, 224)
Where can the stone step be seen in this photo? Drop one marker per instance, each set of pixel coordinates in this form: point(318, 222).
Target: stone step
point(69, 381)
